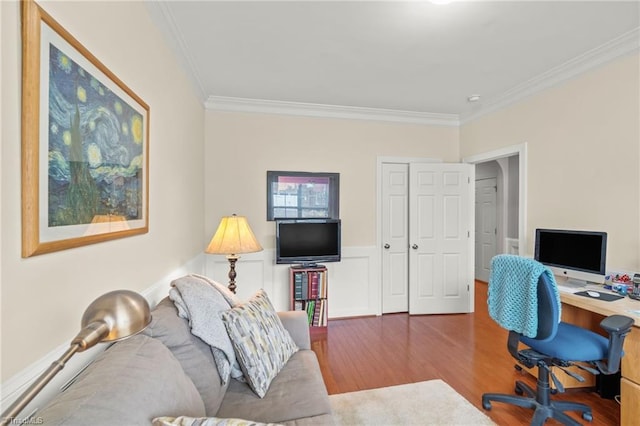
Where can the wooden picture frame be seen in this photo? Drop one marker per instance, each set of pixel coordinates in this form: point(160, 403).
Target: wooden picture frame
point(85, 144)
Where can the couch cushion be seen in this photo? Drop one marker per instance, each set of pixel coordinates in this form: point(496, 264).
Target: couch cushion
point(261, 343)
point(194, 355)
point(297, 392)
point(130, 383)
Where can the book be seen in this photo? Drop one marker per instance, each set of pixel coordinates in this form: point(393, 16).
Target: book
point(314, 284)
point(310, 308)
point(323, 313)
point(322, 286)
point(297, 285)
point(316, 313)
point(304, 285)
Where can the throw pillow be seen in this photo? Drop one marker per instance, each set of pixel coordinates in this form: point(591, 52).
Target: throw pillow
point(205, 421)
point(262, 344)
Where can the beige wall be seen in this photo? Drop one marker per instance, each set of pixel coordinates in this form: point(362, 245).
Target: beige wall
point(241, 147)
point(583, 142)
point(43, 297)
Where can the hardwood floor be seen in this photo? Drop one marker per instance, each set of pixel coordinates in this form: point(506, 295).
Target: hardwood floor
point(468, 351)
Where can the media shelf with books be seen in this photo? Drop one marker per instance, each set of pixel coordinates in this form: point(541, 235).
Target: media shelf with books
point(308, 290)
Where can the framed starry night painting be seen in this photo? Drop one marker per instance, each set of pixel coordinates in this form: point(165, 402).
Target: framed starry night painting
point(85, 143)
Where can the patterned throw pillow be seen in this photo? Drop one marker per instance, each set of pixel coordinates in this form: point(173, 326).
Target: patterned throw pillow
point(262, 344)
point(205, 421)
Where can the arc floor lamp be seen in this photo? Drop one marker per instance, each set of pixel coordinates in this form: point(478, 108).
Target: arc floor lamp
point(113, 316)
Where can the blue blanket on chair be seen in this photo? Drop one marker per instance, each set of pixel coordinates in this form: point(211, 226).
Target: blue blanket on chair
point(513, 295)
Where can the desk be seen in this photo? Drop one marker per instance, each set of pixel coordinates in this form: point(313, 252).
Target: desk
point(588, 312)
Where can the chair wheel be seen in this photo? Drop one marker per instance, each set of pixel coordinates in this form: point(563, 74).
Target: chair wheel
point(553, 391)
point(587, 416)
point(518, 391)
point(517, 367)
point(486, 405)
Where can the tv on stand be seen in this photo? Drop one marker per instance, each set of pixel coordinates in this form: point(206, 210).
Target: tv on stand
point(308, 241)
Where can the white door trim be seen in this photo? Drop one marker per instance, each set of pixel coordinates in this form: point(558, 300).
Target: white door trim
point(508, 151)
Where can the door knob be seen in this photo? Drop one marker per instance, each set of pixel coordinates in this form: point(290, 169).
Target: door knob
point(415, 247)
point(387, 246)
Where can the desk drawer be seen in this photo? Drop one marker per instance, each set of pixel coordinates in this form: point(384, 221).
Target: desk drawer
point(629, 407)
point(631, 358)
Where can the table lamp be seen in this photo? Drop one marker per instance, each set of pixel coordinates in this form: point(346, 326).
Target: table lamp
point(113, 316)
point(233, 237)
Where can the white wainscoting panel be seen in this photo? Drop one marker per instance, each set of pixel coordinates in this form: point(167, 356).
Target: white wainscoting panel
point(253, 272)
point(354, 287)
point(354, 283)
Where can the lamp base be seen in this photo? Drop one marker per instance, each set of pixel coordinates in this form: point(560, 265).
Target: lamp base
point(232, 258)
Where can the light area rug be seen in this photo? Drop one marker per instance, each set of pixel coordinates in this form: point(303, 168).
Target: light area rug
point(424, 403)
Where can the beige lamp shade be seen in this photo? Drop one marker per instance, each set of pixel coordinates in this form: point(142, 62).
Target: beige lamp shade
point(234, 236)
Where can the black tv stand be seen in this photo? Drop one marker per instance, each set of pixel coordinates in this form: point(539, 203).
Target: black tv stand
point(307, 265)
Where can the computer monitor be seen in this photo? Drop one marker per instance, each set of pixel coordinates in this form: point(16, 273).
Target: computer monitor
point(580, 256)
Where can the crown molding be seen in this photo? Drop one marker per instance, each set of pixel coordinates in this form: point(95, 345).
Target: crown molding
point(165, 20)
point(624, 45)
point(223, 103)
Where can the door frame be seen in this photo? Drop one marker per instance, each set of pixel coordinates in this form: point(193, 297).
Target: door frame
point(379, 162)
point(509, 151)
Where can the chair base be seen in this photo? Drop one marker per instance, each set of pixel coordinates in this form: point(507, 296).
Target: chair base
point(544, 408)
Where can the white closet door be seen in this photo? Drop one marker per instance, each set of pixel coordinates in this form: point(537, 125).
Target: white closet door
point(441, 229)
point(395, 238)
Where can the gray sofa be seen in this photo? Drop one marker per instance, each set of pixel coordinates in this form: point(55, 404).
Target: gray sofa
point(168, 372)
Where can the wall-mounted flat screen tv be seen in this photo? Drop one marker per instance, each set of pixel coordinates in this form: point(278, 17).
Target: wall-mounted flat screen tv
point(308, 241)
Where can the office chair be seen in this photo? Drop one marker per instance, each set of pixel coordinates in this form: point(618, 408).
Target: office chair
point(523, 298)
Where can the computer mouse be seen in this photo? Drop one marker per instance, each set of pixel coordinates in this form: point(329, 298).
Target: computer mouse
point(593, 293)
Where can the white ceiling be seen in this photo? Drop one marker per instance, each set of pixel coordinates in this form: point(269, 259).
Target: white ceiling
point(410, 59)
